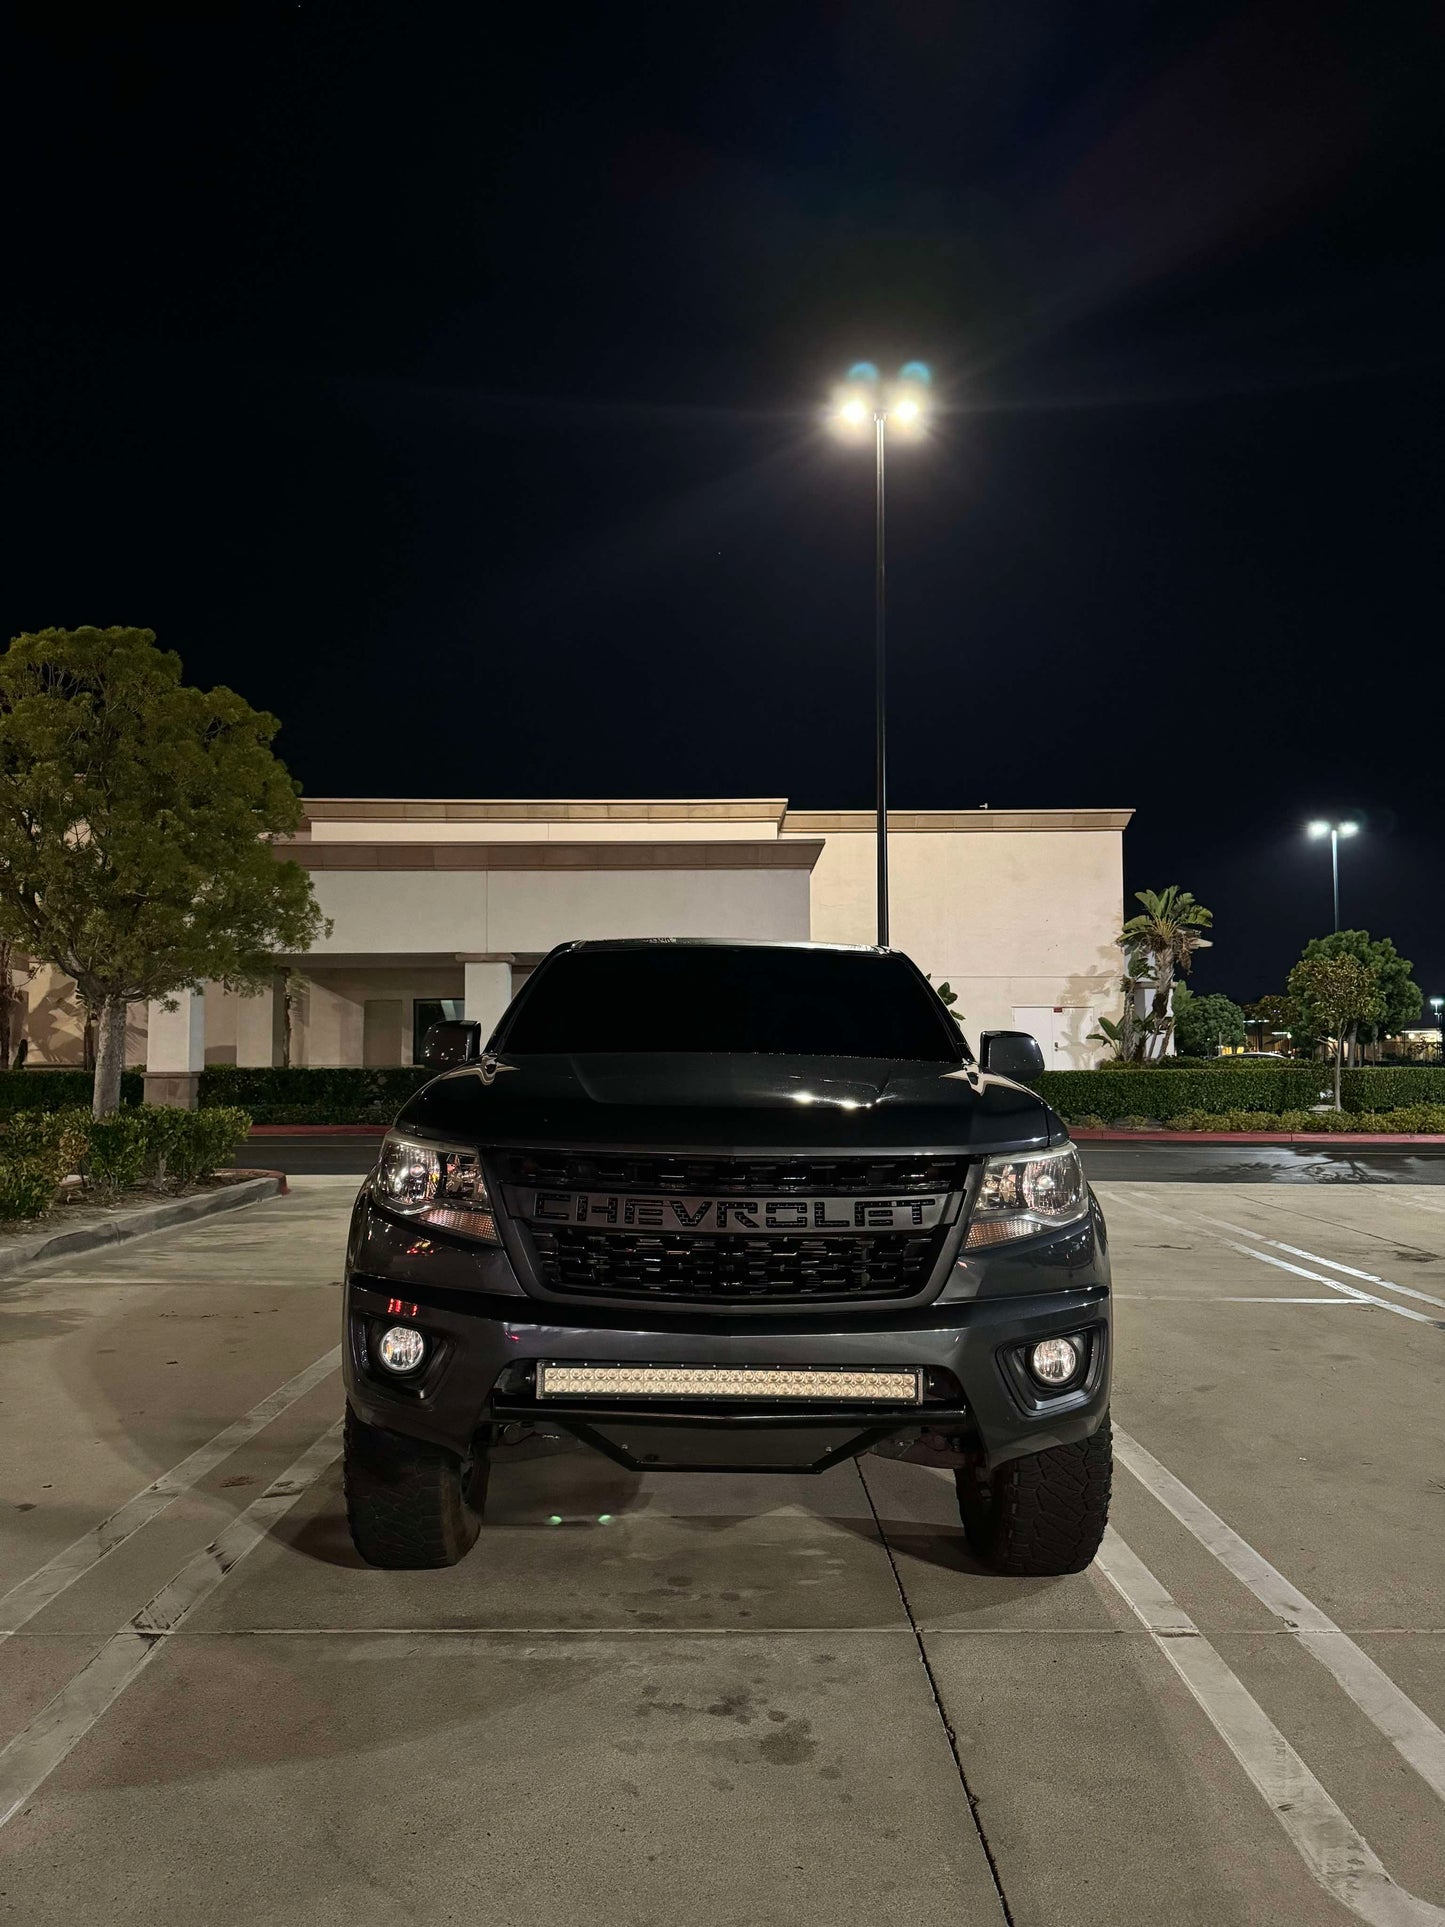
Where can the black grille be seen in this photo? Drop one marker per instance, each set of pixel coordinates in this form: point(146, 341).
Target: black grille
point(576, 1171)
point(609, 1264)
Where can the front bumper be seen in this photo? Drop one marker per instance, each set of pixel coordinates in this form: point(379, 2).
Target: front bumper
point(486, 1342)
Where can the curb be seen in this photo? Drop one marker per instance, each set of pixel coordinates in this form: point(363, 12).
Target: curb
point(1388, 1141)
point(17, 1254)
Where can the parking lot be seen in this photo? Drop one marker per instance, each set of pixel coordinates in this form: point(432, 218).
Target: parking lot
point(723, 1699)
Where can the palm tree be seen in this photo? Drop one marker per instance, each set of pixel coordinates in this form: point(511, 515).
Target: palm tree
point(1168, 934)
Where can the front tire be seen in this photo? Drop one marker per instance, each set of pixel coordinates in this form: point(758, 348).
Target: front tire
point(410, 1505)
point(1043, 1515)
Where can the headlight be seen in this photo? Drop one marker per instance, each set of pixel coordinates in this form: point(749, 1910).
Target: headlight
point(441, 1184)
point(1021, 1196)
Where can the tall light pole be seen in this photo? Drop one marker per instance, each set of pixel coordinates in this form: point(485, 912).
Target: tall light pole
point(1334, 831)
point(1437, 1004)
point(864, 397)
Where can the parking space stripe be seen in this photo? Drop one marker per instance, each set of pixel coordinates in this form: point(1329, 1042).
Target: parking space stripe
point(35, 1752)
point(28, 1596)
point(1330, 1264)
point(1339, 1857)
point(1267, 1258)
point(1411, 1732)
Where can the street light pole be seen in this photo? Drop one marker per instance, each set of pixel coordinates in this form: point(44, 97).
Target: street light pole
point(1335, 871)
point(880, 647)
point(1334, 831)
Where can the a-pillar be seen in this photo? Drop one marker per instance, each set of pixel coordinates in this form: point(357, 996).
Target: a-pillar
point(260, 1022)
point(176, 1050)
point(486, 989)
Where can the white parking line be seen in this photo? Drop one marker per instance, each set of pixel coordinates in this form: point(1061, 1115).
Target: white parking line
point(28, 1596)
point(1339, 1857)
point(1267, 1258)
point(1330, 1264)
point(1411, 1732)
point(35, 1752)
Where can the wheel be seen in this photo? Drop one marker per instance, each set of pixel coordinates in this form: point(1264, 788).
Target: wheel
point(410, 1504)
point(1042, 1515)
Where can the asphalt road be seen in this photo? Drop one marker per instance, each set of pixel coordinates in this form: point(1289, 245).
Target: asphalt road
point(1181, 1163)
point(732, 1701)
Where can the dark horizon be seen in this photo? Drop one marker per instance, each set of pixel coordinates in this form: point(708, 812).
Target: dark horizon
point(455, 392)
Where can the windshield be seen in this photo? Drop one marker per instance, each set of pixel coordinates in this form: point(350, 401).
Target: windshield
point(704, 997)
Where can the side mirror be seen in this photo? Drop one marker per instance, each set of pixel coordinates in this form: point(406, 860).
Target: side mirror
point(1010, 1053)
point(455, 1041)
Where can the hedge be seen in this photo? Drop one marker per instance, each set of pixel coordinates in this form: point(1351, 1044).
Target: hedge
point(1243, 1087)
point(59, 1090)
point(143, 1143)
point(1165, 1094)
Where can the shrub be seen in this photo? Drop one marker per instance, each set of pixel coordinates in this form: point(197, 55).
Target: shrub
point(185, 1145)
point(40, 1089)
point(120, 1148)
point(37, 1150)
point(1165, 1094)
point(1087, 1121)
point(1382, 1087)
point(322, 1096)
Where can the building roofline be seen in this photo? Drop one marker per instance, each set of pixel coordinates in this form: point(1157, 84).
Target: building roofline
point(464, 809)
point(923, 822)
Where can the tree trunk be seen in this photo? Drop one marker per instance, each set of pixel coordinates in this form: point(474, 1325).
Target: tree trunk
point(1339, 1053)
point(109, 1056)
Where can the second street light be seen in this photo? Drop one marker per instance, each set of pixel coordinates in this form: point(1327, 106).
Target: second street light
point(864, 399)
point(1334, 831)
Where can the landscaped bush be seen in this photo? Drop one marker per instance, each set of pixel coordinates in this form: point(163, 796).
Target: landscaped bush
point(58, 1090)
point(1422, 1119)
point(148, 1143)
point(1382, 1087)
point(320, 1096)
point(1245, 1087)
point(1165, 1094)
point(37, 1150)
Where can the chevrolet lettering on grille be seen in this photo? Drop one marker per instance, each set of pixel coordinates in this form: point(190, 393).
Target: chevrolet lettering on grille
point(634, 1211)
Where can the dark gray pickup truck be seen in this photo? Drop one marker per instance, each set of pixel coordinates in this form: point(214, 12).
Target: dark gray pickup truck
point(708, 1206)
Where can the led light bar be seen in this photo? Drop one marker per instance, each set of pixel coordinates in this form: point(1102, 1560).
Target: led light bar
point(874, 1385)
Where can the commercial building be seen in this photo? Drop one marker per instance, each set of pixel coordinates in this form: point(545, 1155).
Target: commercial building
point(443, 907)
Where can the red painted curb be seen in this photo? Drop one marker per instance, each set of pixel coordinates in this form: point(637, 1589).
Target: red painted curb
point(1257, 1137)
point(319, 1130)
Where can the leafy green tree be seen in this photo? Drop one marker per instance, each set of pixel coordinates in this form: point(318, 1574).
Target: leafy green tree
point(136, 822)
point(1202, 1024)
point(1400, 998)
point(1337, 993)
point(1274, 1013)
point(1167, 934)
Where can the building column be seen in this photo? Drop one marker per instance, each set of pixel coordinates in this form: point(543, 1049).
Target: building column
point(259, 1024)
point(486, 989)
point(176, 1050)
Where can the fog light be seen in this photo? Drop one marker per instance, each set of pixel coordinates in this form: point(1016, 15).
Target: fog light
point(1055, 1361)
point(401, 1348)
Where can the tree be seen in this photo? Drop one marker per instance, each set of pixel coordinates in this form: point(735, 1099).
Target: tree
point(1124, 1037)
point(1337, 993)
point(1400, 999)
point(136, 822)
point(12, 998)
point(1274, 1013)
point(1202, 1024)
point(1167, 933)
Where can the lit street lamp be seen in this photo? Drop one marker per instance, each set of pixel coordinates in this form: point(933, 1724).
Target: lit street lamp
point(865, 397)
point(1437, 1004)
point(1334, 831)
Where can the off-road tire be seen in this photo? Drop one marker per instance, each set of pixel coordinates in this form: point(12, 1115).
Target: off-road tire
point(409, 1504)
point(1035, 1517)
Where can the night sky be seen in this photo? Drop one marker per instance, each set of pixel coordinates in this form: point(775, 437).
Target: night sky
point(449, 381)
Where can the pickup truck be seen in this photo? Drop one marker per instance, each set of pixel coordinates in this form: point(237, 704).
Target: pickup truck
point(710, 1206)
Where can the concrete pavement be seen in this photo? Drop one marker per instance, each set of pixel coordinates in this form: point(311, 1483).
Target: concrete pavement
point(723, 1699)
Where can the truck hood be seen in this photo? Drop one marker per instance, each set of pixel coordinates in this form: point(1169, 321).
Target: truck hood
point(667, 1101)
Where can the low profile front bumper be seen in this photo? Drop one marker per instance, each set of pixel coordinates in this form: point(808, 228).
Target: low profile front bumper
point(486, 1343)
